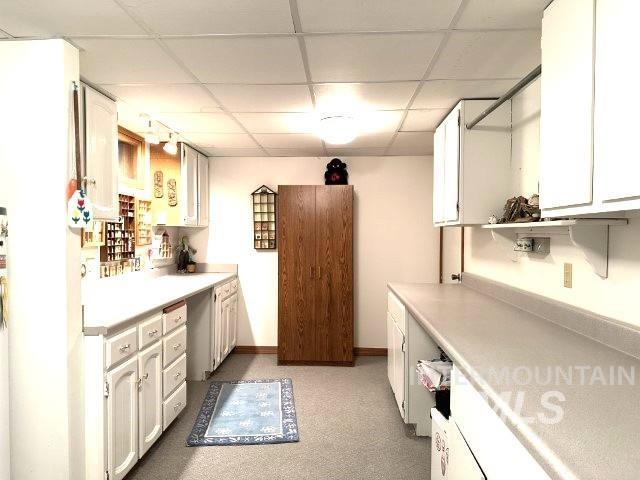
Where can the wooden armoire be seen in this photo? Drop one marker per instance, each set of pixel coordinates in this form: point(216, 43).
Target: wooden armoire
point(315, 275)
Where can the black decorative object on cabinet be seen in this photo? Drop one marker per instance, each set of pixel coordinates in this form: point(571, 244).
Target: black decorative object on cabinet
point(336, 173)
point(264, 218)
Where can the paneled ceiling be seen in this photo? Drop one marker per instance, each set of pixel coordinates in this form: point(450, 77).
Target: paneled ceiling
point(251, 77)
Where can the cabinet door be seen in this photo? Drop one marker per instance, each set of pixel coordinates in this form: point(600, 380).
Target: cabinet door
point(189, 177)
point(398, 368)
point(617, 174)
point(451, 166)
point(122, 418)
point(566, 122)
point(150, 396)
point(334, 274)
point(217, 333)
point(203, 191)
point(232, 328)
point(438, 173)
point(462, 463)
point(101, 163)
point(390, 355)
point(224, 334)
point(296, 273)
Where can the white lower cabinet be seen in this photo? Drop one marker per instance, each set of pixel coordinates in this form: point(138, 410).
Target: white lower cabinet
point(150, 396)
point(122, 418)
point(462, 463)
point(132, 395)
point(225, 322)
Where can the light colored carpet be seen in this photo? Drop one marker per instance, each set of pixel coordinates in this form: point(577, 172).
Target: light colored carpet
point(349, 424)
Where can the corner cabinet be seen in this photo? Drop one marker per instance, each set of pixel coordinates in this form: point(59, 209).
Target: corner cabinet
point(181, 187)
point(101, 153)
point(586, 127)
point(462, 157)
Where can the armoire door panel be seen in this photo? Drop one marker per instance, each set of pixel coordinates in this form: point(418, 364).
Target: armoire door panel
point(334, 285)
point(296, 272)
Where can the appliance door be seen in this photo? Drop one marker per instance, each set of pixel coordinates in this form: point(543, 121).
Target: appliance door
point(462, 463)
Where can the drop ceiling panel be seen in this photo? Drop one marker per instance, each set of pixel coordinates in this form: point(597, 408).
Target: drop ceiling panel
point(234, 152)
point(46, 18)
point(412, 143)
point(355, 152)
point(241, 60)
point(356, 96)
point(446, 93)
point(220, 140)
point(370, 140)
point(208, 16)
point(288, 140)
point(110, 60)
point(368, 15)
point(498, 54)
point(371, 57)
point(296, 152)
point(379, 121)
point(263, 98)
point(423, 120)
point(153, 99)
point(502, 14)
point(277, 122)
point(200, 122)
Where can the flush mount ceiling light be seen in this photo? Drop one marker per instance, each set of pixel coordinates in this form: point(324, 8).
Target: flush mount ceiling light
point(152, 135)
point(171, 147)
point(338, 129)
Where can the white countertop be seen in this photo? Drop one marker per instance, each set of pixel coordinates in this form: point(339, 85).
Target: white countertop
point(111, 306)
point(597, 437)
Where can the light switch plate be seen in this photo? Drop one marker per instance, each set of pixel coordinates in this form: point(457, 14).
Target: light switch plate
point(568, 275)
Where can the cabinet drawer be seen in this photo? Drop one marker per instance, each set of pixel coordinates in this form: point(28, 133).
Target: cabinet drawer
point(397, 310)
point(150, 330)
point(174, 345)
point(174, 316)
point(174, 405)
point(120, 346)
point(174, 375)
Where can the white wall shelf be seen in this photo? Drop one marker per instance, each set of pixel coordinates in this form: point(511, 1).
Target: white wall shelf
point(591, 235)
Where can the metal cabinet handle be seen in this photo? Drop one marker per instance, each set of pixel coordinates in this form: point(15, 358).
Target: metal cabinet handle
point(146, 376)
point(177, 406)
point(125, 347)
point(153, 332)
point(177, 375)
point(177, 346)
point(178, 319)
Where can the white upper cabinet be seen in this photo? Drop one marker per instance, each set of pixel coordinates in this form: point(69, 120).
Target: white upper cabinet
point(588, 163)
point(617, 72)
point(471, 168)
point(566, 124)
point(203, 191)
point(189, 175)
point(101, 152)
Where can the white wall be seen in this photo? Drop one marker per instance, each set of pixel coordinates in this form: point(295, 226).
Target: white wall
point(45, 325)
point(394, 236)
point(616, 296)
point(5, 457)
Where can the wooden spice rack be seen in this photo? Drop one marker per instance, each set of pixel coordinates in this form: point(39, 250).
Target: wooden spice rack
point(120, 242)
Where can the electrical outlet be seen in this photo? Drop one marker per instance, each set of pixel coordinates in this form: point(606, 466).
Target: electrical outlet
point(568, 275)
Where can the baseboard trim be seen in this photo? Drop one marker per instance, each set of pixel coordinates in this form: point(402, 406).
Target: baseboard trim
point(357, 351)
point(254, 349)
point(369, 352)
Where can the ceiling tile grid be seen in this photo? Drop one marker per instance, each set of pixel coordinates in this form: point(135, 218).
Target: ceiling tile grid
point(252, 77)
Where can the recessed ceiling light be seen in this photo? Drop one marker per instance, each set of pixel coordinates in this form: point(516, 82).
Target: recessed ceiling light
point(338, 129)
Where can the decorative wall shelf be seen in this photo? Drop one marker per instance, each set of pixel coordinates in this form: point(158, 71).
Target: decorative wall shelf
point(264, 211)
point(591, 235)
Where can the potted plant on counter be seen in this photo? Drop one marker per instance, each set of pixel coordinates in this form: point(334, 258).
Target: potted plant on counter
point(185, 253)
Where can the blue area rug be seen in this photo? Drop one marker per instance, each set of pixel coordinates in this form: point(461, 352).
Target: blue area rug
point(246, 412)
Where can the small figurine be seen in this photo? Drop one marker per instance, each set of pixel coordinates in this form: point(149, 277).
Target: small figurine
point(336, 173)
